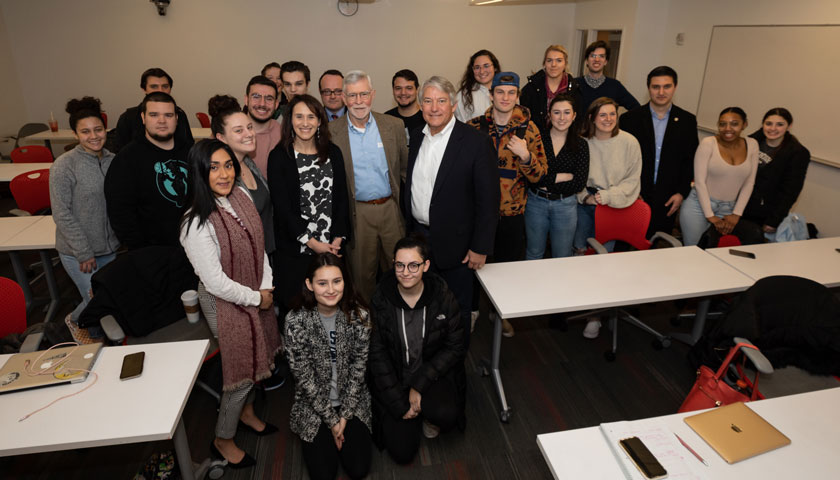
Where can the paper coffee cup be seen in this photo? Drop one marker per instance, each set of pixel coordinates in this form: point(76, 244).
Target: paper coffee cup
point(190, 299)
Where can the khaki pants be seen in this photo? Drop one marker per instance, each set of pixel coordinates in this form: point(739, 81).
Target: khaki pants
point(378, 228)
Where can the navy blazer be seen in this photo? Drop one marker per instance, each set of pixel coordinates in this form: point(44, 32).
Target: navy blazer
point(464, 210)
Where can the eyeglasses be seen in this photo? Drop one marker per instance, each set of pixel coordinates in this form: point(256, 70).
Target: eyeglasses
point(331, 93)
point(413, 267)
point(597, 55)
point(362, 95)
point(257, 98)
point(486, 66)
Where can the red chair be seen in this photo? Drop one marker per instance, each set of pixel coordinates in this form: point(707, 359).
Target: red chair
point(32, 154)
point(203, 119)
point(31, 191)
point(729, 241)
point(13, 319)
point(628, 225)
point(104, 119)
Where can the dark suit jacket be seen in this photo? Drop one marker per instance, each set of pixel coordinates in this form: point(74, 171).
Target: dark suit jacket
point(392, 133)
point(465, 200)
point(676, 163)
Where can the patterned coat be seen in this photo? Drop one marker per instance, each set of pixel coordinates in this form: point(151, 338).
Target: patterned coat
point(308, 352)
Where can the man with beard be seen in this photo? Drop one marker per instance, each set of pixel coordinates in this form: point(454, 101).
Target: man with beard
point(130, 126)
point(594, 84)
point(146, 185)
point(329, 85)
point(405, 84)
point(260, 103)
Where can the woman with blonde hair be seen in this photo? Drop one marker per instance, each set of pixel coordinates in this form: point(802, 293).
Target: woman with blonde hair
point(552, 80)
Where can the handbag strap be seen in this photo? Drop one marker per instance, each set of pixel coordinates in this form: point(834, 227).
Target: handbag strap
point(732, 351)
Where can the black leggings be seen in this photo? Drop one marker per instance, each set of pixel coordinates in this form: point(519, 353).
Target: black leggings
point(439, 406)
point(322, 457)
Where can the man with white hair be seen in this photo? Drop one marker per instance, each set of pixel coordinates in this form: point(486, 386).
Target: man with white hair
point(452, 192)
point(375, 158)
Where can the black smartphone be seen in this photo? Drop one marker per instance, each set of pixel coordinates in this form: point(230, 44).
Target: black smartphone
point(644, 460)
point(741, 253)
point(132, 365)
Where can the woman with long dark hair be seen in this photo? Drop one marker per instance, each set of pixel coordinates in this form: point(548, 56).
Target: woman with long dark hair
point(309, 193)
point(233, 127)
point(222, 236)
point(552, 202)
point(724, 173)
point(327, 341)
point(782, 166)
point(473, 97)
point(83, 235)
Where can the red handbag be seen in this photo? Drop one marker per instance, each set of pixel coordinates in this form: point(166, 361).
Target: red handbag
point(710, 390)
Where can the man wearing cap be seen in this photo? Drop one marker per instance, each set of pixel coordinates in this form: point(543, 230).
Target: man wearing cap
point(521, 159)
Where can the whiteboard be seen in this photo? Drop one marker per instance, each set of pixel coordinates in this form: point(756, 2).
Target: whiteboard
point(759, 67)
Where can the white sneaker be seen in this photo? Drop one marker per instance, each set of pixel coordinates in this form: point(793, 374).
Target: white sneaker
point(507, 328)
point(473, 318)
point(593, 327)
point(429, 430)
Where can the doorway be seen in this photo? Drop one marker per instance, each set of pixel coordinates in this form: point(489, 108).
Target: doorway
point(613, 39)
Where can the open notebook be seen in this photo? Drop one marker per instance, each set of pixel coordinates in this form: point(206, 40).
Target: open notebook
point(661, 442)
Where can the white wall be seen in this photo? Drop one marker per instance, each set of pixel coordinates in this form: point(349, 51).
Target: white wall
point(11, 100)
point(649, 35)
point(100, 47)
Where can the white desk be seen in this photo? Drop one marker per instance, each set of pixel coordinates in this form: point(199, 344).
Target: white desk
point(8, 171)
point(66, 135)
point(598, 281)
point(112, 411)
point(815, 259)
point(31, 233)
point(811, 420)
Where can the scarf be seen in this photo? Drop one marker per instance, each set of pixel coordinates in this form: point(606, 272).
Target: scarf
point(248, 336)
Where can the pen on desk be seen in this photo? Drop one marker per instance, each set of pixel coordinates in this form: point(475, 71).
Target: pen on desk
point(691, 450)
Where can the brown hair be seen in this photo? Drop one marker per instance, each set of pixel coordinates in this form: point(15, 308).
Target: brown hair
point(595, 108)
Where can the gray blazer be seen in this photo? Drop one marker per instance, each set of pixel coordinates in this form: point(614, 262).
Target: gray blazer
point(309, 360)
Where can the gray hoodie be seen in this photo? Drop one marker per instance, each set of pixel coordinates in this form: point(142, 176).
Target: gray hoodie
point(77, 197)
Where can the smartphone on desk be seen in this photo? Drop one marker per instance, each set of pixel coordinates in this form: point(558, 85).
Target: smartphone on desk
point(132, 365)
point(644, 460)
point(741, 253)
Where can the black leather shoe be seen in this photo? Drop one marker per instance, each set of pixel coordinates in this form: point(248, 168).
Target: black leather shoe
point(246, 462)
point(268, 430)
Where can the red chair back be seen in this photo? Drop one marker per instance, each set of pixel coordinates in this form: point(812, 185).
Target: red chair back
point(203, 119)
point(13, 319)
point(104, 119)
point(32, 190)
point(32, 154)
point(626, 224)
point(729, 241)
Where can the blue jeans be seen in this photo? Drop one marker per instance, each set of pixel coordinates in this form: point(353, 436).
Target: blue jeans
point(555, 217)
point(586, 227)
point(692, 219)
point(82, 281)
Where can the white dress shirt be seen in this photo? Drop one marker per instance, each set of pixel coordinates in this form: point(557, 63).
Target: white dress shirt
point(426, 170)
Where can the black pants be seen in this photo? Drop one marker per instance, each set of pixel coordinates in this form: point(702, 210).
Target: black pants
point(321, 455)
point(439, 405)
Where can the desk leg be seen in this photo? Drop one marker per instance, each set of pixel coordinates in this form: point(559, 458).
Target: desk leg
point(699, 323)
point(182, 451)
point(52, 285)
point(22, 279)
point(494, 367)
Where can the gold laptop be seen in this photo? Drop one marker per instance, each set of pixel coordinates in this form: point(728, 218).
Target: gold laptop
point(736, 432)
point(57, 368)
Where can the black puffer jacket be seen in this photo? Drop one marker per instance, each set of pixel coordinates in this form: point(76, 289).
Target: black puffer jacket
point(534, 98)
point(443, 344)
point(778, 183)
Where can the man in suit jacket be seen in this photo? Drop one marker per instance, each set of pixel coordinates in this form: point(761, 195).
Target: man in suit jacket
point(667, 135)
point(452, 192)
point(375, 158)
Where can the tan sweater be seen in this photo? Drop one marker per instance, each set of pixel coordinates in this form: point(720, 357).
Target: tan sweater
point(615, 167)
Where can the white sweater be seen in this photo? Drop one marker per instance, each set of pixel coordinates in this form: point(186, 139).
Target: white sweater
point(198, 243)
point(615, 170)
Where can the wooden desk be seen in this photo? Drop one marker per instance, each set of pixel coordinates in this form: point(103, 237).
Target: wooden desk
point(815, 259)
point(31, 233)
point(539, 287)
point(66, 135)
point(8, 171)
point(112, 411)
point(810, 420)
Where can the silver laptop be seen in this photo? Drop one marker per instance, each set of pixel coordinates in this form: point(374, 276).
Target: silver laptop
point(59, 366)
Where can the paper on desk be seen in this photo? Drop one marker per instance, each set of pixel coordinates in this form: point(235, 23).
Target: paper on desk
point(661, 442)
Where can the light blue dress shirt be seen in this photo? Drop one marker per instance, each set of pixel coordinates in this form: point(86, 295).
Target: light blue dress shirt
point(370, 167)
point(659, 127)
point(338, 113)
